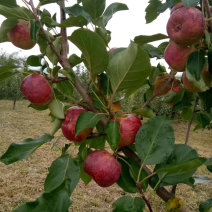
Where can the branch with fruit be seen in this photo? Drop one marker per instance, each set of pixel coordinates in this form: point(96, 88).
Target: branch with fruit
point(112, 75)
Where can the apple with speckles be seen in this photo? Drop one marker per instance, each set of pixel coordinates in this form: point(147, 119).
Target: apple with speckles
point(186, 26)
point(177, 56)
point(69, 123)
point(37, 90)
point(19, 35)
point(104, 169)
point(129, 126)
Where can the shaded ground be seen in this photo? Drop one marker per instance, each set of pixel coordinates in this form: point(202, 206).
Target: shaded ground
point(23, 181)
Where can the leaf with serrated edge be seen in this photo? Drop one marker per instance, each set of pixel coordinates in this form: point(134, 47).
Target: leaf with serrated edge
point(155, 140)
point(129, 69)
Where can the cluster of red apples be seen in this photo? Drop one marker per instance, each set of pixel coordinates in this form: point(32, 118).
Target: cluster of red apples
point(38, 91)
point(185, 27)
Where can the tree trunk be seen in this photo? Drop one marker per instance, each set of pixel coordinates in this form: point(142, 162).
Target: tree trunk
point(14, 102)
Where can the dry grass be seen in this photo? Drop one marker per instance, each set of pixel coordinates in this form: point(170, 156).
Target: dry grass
point(23, 181)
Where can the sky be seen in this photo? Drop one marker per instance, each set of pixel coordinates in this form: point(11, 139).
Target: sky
point(124, 25)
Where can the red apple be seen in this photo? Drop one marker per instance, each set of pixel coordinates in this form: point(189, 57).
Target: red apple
point(129, 126)
point(102, 167)
point(207, 78)
point(186, 26)
point(37, 90)
point(176, 7)
point(177, 56)
point(159, 82)
point(19, 35)
point(69, 123)
point(176, 89)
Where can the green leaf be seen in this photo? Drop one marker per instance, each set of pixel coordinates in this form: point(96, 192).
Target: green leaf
point(143, 39)
point(10, 3)
point(155, 72)
point(198, 84)
point(16, 12)
point(163, 46)
point(206, 99)
point(115, 51)
point(186, 113)
point(190, 3)
point(45, 13)
point(129, 69)
point(22, 150)
point(111, 9)
point(205, 206)
point(76, 10)
point(56, 107)
point(6, 26)
point(97, 143)
point(183, 167)
point(203, 119)
point(5, 69)
point(57, 200)
point(85, 177)
point(187, 100)
point(152, 51)
point(129, 204)
point(86, 120)
point(64, 168)
point(34, 29)
point(94, 8)
point(34, 60)
point(45, 107)
point(168, 4)
point(56, 126)
point(50, 53)
point(112, 129)
point(144, 112)
point(195, 64)
point(155, 140)
point(93, 49)
point(181, 154)
point(179, 96)
point(152, 10)
point(78, 21)
point(74, 60)
point(65, 88)
point(43, 2)
point(104, 34)
point(126, 177)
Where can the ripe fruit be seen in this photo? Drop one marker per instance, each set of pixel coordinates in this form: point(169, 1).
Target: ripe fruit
point(177, 56)
point(19, 35)
point(69, 123)
point(159, 82)
point(207, 78)
point(176, 7)
point(102, 167)
point(186, 26)
point(37, 89)
point(129, 126)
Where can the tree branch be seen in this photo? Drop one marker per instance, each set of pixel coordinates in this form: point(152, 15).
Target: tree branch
point(95, 135)
point(209, 14)
point(161, 192)
point(171, 78)
point(57, 80)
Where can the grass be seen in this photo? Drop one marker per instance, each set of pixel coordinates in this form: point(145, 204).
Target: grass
point(23, 181)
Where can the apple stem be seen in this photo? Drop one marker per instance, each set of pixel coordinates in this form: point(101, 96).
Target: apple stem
point(171, 78)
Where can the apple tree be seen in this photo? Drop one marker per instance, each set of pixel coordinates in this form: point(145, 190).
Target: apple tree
point(97, 118)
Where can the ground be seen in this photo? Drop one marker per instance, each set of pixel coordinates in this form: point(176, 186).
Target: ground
point(23, 181)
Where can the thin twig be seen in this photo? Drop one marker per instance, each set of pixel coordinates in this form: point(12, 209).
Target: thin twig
point(57, 80)
point(171, 78)
point(174, 188)
point(143, 197)
point(96, 135)
point(209, 14)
